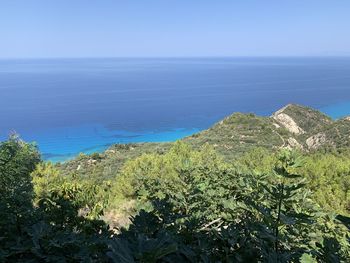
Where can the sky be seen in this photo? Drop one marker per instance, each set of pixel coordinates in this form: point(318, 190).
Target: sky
point(173, 28)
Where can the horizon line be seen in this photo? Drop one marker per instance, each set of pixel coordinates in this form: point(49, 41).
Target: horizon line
point(177, 57)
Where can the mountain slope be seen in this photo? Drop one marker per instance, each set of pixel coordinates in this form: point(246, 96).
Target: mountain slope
point(240, 132)
point(293, 126)
point(307, 120)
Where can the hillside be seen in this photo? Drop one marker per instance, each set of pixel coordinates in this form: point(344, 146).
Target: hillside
point(293, 126)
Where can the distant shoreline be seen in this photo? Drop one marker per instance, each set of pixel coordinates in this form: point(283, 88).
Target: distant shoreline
point(335, 111)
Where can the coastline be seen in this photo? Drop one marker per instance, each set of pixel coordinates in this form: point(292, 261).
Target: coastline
point(96, 138)
point(337, 110)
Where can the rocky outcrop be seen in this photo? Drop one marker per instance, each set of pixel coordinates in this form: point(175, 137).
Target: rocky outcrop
point(287, 121)
point(299, 119)
point(292, 143)
point(316, 141)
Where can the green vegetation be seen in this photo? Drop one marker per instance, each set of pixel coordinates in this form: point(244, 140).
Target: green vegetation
point(233, 193)
point(239, 133)
point(308, 119)
point(110, 162)
point(49, 229)
point(327, 174)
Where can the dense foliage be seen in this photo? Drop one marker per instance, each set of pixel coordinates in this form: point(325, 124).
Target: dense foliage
point(327, 173)
point(51, 230)
point(186, 206)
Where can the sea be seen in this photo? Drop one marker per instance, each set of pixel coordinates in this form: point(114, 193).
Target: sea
point(69, 106)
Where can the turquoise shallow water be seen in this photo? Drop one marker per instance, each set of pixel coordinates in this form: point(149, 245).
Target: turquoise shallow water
point(95, 138)
point(84, 105)
point(337, 110)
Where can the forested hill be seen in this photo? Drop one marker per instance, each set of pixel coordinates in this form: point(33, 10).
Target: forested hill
point(293, 126)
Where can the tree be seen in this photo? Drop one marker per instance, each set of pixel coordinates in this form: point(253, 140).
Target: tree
point(17, 161)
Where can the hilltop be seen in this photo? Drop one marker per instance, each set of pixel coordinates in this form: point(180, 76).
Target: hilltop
point(293, 126)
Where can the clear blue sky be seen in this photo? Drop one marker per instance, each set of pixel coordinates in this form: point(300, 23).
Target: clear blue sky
point(112, 28)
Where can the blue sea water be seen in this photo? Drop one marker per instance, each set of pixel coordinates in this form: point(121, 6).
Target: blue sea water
point(83, 105)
